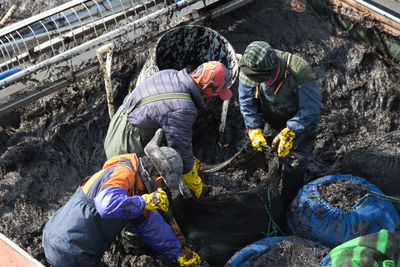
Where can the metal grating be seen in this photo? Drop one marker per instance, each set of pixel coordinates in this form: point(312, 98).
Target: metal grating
point(67, 27)
point(52, 50)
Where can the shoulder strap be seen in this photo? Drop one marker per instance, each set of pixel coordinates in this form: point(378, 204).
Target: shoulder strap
point(145, 177)
point(288, 60)
point(127, 163)
point(158, 97)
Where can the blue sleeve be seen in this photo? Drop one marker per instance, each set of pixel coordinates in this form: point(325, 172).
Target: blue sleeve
point(309, 97)
point(156, 232)
point(249, 107)
point(114, 202)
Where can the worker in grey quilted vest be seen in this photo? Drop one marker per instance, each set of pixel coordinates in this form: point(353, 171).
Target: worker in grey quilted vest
point(280, 100)
point(169, 99)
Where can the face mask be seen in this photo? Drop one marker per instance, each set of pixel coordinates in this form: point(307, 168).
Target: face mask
point(272, 79)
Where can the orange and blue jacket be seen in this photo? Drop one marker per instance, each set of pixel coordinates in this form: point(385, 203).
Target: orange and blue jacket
point(117, 189)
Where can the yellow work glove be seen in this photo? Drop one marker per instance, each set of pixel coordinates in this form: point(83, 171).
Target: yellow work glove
point(256, 138)
point(193, 181)
point(156, 200)
point(197, 164)
point(284, 141)
point(193, 261)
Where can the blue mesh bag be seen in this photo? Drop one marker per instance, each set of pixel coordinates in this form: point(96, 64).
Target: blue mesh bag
point(312, 217)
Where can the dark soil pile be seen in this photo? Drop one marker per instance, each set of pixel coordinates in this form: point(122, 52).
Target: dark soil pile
point(247, 169)
point(48, 147)
point(296, 252)
point(342, 194)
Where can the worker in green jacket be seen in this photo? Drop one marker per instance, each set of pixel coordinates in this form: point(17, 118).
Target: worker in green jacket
point(280, 100)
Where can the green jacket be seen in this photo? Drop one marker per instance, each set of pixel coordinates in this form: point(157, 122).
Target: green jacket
point(279, 102)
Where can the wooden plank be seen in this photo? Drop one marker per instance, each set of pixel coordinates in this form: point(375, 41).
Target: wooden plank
point(14, 256)
point(388, 21)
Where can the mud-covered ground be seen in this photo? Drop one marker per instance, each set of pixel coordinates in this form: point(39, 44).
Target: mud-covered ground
point(48, 147)
point(294, 252)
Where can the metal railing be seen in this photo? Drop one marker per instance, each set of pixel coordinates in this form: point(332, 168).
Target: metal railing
point(67, 26)
point(58, 47)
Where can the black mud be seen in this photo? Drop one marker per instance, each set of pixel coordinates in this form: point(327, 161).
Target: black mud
point(295, 252)
point(342, 194)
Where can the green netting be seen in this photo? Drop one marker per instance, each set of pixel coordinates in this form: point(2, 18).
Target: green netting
point(379, 249)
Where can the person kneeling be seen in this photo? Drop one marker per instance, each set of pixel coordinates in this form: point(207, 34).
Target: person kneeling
point(81, 231)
